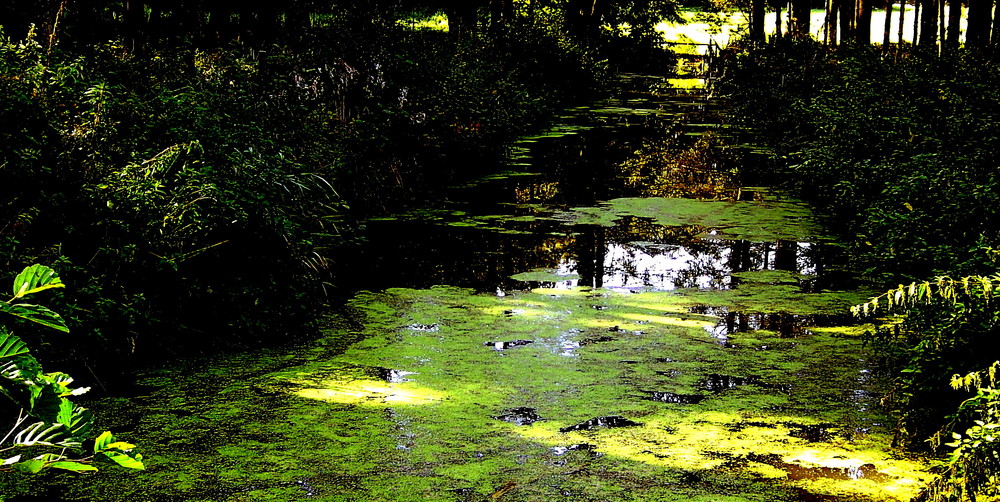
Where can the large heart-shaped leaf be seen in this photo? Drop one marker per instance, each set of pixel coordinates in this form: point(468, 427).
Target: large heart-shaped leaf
point(34, 279)
point(35, 313)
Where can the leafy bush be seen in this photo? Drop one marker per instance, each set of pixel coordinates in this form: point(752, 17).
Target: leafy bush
point(47, 426)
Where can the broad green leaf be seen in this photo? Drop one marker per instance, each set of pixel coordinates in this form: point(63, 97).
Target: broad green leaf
point(46, 403)
point(11, 345)
point(34, 279)
point(65, 414)
point(61, 381)
point(73, 466)
point(35, 313)
point(101, 442)
point(129, 461)
point(31, 466)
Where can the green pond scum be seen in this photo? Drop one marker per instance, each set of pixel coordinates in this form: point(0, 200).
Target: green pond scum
point(572, 394)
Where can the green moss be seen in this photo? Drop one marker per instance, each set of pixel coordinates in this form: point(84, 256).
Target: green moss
point(773, 218)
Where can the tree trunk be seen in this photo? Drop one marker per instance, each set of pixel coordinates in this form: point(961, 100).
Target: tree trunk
point(887, 28)
point(916, 20)
point(800, 24)
point(954, 23)
point(863, 33)
point(462, 21)
point(831, 23)
point(757, 10)
point(134, 16)
point(996, 31)
point(846, 8)
point(977, 32)
point(928, 23)
point(777, 21)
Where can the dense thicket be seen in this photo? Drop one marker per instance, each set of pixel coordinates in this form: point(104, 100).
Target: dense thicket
point(191, 167)
point(901, 153)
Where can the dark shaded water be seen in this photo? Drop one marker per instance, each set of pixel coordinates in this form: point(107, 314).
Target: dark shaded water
point(483, 231)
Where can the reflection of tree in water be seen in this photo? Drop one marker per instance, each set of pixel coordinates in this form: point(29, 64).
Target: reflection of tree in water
point(662, 169)
point(639, 253)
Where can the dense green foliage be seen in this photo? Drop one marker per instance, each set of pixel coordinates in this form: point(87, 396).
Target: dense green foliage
point(900, 151)
point(196, 194)
point(48, 430)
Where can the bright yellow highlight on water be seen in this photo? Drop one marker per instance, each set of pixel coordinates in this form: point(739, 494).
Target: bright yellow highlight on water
point(371, 392)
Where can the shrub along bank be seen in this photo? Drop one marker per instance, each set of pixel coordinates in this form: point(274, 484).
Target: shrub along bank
point(195, 197)
point(900, 151)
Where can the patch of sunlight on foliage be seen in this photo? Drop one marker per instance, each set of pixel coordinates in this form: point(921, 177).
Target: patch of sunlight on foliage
point(686, 83)
point(438, 22)
point(724, 27)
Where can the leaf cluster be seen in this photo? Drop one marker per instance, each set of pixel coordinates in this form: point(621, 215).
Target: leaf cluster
point(49, 431)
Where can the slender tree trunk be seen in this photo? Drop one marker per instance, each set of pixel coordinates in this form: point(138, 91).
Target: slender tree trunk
point(887, 26)
point(977, 33)
point(941, 23)
point(846, 8)
point(996, 31)
point(134, 15)
point(864, 22)
point(917, 5)
point(928, 23)
point(757, 10)
point(777, 21)
point(800, 25)
point(902, 22)
point(954, 23)
point(831, 23)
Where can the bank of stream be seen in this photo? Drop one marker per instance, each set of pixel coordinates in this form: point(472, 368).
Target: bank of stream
point(608, 317)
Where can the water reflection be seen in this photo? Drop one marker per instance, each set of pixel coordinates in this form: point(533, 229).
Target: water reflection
point(669, 265)
point(483, 232)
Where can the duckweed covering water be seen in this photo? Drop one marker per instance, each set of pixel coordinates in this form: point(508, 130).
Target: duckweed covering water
point(405, 399)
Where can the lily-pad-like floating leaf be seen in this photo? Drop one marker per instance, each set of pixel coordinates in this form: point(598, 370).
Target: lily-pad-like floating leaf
point(35, 313)
point(36, 278)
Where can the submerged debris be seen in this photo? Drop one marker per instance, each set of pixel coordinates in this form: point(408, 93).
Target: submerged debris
point(508, 344)
point(812, 433)
point(561, 450)
point(609, 422)
point(390, 375)
point(670, 397)
point(798, 472)
point(519, 416)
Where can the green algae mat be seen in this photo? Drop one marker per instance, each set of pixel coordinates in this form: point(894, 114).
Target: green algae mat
point(579, 394)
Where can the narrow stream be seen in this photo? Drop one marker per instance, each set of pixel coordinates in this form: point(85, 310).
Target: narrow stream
point(610, 317)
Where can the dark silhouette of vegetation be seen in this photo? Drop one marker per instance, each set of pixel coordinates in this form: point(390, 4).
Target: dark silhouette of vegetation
point(899, 151)
point(192, 167)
